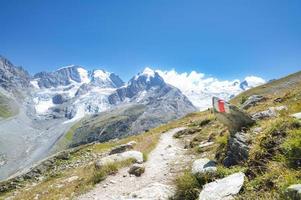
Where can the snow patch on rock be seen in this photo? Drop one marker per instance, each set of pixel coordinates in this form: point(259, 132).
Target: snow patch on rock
point(84, 75)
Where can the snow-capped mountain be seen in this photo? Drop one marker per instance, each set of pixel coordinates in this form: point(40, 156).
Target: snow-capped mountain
point(72, 92)
point(150, 89)
point(200, 89)
point(76, 74)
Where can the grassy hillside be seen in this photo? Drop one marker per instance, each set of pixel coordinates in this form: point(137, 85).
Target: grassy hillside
point(6, 107)
point(273, 163)
point(53, 184)
point(274, 160)
point(102, 127)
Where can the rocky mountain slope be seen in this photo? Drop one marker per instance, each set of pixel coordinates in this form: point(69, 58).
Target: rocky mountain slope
point(266, 154)
point(145, 102)
point(12, 78)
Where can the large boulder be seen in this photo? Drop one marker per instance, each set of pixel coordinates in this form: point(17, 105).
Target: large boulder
point(237, 149)
point(223, 189)
point(294, 192)
point(135, 155)
point(230, 115)
point(252, 101)
point(203, 165)
point(235, 120)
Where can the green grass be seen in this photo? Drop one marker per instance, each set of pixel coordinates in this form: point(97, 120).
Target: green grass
point(5, 108)
point(109, 169)
point(187, 187)
point(291, 148)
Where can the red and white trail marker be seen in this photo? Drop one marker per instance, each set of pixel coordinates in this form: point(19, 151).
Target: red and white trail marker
point(220, 105)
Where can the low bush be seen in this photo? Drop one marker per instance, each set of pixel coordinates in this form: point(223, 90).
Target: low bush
point(187, 187)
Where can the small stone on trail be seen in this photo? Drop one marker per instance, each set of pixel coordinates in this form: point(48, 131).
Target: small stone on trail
point(137, 169)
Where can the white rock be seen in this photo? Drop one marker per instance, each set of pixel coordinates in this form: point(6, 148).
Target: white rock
point(279, 108)
point(297, 115)
point(71, 179)
point(132, 143)
point(203, 165)
point(206, 144)
point(294, 192)
point(257, 130)
point(223, 189)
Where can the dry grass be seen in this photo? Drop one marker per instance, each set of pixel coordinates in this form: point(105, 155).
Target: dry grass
point(56, 187)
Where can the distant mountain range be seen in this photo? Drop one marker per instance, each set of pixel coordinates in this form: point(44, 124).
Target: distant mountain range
point(73, 91)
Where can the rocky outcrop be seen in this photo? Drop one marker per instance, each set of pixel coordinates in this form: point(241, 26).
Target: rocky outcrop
point(230, 115)
point(61, 77)
point(203, 165)
point(271, 112)
point(252, 101)
point(137, 169)
point(223, 189)
point(235, 120)
point(294, 192)
point(122, 148)
point(13, 78)
point(237, 149)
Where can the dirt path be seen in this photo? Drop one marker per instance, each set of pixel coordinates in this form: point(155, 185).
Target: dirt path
point(163, 163)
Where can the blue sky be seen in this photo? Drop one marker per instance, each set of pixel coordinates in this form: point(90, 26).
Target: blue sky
point(227, 38)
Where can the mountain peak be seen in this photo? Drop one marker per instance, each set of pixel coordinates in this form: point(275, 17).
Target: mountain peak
point(148, 72)
point(101, 74)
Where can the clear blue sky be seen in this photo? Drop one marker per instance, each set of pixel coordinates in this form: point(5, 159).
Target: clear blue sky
point(224, 38)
